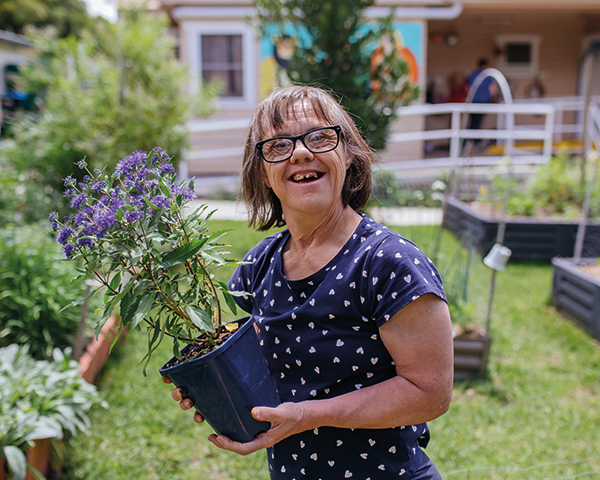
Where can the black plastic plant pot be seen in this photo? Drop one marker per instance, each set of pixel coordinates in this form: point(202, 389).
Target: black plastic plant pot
point(227, 383)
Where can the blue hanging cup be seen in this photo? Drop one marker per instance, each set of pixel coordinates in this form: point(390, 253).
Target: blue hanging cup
point(227, 383)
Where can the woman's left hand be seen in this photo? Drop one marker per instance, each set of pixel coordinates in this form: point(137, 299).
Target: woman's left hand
point(286, 420)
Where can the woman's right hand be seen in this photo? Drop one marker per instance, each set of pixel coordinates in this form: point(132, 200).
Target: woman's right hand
point(185, 403)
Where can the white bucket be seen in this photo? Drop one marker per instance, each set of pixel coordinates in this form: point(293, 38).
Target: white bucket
point(498, 256)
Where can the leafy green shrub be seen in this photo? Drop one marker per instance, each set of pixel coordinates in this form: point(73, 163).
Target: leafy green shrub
point(554, 190)
point(34, 287)
point(40, 399)
point(389, 192)
point(21, 198)
point(17, 430)
point(338, 46)
point(103, 96)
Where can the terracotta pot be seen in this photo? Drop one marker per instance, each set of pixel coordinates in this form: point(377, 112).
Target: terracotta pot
point(38, 457)
point(2, 475)
point(96, 354)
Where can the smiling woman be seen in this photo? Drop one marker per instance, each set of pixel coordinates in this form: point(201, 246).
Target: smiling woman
point(351, 317)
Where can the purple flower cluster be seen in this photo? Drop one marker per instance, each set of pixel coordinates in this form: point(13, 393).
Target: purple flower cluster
point(107, 205)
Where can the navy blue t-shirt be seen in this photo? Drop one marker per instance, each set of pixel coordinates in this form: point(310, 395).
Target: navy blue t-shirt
point(320, 336)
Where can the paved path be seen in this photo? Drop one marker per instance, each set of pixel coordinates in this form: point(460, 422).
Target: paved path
point(389, 216)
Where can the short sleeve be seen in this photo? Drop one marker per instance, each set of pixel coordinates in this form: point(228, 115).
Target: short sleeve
point(254, 263)
point(399, 273)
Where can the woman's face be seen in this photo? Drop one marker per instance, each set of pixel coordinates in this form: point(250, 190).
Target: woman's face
point(307, 183)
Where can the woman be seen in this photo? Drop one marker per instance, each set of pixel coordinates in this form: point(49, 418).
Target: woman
point(351, 316)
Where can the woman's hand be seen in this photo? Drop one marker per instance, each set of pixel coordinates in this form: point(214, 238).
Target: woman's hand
point(185, 403)
point(286, 419)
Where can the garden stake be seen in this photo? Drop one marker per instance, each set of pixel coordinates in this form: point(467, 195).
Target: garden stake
point(586, 207)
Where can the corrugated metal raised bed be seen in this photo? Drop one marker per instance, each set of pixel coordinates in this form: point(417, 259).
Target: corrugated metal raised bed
point(576, 293)
point(471, 353)
point(527, 238)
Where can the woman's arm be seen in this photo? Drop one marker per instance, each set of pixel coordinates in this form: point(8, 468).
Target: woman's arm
point(419, 339)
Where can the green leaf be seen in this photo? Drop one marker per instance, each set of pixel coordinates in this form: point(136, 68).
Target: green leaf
point(200, 318)
point(143, 308)
point(176, 348)
point(163, 188)
point(17, 463)
point(35, 472)
point(230, 302)
point(184, 252)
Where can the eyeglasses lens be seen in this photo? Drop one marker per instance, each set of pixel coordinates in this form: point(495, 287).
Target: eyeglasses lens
point(318, 141)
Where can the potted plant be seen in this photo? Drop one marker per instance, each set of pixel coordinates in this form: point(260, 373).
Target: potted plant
point(17, 432)
point(42, 403)
point(156, 263)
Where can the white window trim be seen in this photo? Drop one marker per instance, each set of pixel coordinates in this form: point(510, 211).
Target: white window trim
point(193, 32)
point(519, 71)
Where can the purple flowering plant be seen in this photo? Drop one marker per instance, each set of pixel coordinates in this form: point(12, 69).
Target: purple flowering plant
point(152, 261)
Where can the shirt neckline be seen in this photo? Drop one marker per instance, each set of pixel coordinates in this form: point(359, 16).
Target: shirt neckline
point(315, 278)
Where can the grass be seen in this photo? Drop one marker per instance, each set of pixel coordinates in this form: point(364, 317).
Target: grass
point(536, 416)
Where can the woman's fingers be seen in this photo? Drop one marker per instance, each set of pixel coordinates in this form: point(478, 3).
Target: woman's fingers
point(226, 443)
point(185, 403)
point(284, 421)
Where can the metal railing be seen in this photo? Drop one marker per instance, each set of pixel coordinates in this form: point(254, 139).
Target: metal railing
point(458, 135)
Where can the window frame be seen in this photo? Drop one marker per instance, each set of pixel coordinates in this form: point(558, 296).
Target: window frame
point(194, 32)
point(517, 69)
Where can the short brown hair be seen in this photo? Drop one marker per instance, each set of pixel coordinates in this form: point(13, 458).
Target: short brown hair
point(279, 108)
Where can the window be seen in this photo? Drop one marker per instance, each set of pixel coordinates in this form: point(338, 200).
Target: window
point(226, 51)
point(519, 54)
point(222, 58)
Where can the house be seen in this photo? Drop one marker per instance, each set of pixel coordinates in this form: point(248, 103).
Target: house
point(544, 48)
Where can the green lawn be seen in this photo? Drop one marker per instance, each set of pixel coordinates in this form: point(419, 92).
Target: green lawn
point(537, 416)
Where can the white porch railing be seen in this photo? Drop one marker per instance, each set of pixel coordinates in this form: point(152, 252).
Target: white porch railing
point(551, 128)
point(563, 129)
point(457, 134)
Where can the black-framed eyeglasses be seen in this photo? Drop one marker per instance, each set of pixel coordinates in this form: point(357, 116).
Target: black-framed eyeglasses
point(319, 140)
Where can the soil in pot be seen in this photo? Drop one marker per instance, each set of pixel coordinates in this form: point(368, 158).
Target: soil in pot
point(593, 270)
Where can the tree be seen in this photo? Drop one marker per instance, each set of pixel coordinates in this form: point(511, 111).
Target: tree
point(67, 16)
point(102, 97)
point(339, 48)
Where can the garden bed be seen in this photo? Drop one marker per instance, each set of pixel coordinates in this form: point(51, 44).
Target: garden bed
point(576, 292)
point(471, 353)
point(528, 238)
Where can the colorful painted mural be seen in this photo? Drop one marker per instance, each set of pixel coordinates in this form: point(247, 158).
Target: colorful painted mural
point(276, 48)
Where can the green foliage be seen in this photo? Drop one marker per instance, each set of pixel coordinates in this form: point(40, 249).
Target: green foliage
point(152, 261)
point(103, 96)
point(40, 399)
point(34, 286)
point(17, 430)
point(22, 200)
point(339, 48)
point(66, 16)
point(554, 190)
point(388, 191)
